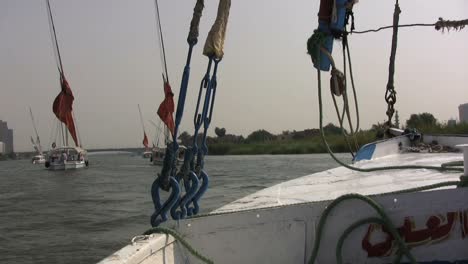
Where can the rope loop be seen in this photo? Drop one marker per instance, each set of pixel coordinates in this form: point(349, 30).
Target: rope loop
point(179, 238)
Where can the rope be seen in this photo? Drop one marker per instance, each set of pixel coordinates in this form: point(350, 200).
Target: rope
point(178, 237)
point(322, 134)
point(441, 24)
point(77, 131)
point(387, 27)
point(356, 105)
point(141, 120)
point(450, 24)
point(384, 220)
point(370, 220)
point(378, 208)
point(192, 38)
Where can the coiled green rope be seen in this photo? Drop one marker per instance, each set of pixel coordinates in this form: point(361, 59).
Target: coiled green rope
point(379, 209)
point(178, 237)
point(384, 220)
point(322, 134)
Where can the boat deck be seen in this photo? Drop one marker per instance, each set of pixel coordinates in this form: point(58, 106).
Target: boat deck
point(330, 184)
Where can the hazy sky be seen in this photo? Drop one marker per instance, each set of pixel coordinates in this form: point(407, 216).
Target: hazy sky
point(266, 80)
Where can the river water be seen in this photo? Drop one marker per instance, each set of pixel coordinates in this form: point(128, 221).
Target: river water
point(83, 216)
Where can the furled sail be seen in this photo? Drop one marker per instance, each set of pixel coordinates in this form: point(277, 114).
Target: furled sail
point(197, 13)
point(63, 108)
point(214, 44)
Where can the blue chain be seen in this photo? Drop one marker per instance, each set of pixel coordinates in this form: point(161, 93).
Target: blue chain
point(188, 170)
point(206, 119)
point(165, 179)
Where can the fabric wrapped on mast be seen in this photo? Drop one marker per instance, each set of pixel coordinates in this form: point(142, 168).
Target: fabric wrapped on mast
point(214, 44)
point(63, 107)
point(197, 13)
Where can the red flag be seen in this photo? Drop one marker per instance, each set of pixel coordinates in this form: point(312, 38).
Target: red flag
point(145, 140)
point(63, 107)
point(166, 108)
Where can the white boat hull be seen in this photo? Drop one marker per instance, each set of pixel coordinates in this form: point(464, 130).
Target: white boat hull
point(286, 234)
point(39, 161)
point(279, 224)
point(67, 158)
point(67, 165)
point(146, 154)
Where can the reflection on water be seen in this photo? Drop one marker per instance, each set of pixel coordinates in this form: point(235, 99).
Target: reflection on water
point(84, 215)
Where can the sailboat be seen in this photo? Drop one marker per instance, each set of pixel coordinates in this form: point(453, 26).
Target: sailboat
point(39, 158)
point(157, 156)
point(64, 156)
point(147, 152)
point(166, 108)
point(158, 152)
point(391, 205)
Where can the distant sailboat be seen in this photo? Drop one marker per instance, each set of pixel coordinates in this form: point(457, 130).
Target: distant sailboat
point(39, 158)
point(147, 151)
point(166, 108)
point(64, 157)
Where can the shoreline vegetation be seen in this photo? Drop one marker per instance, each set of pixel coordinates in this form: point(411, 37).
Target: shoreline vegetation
point(308, 141)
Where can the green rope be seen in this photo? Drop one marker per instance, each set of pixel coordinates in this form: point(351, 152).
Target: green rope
point(370, 220)
point(322, 134)
point(379, 209)
point(383, 221)
point(314, 43)
point(178, 237)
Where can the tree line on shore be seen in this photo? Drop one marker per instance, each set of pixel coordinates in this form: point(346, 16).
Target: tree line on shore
point(307, 141)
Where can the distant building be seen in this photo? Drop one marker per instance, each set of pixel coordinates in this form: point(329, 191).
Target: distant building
point(6, 137)
point(451, 122)
point(463, 109)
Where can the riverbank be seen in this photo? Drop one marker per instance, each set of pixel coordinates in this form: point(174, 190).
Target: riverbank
point(312, 145)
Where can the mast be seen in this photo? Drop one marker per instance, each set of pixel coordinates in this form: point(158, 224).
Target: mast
point(38, 141)
point(165, 75)
point(161, 43)
point(63, 103)
point(141, 119)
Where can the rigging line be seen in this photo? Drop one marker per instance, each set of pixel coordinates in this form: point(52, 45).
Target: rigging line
point(38, 141)
point(57, 132)
point(51, 135)
point(158, 129)
point(60, 65)
point(388, 27)
point(34, 123)
point(161, 39)
point(80, 144)
point(141, 119)
point(63, 134)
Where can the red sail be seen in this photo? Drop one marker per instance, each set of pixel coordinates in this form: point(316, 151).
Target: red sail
point(63, 107)
point(145, 140)
point(166, 108)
